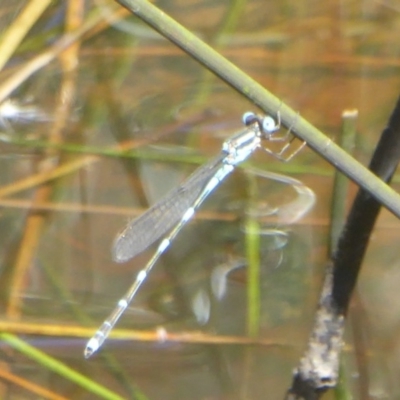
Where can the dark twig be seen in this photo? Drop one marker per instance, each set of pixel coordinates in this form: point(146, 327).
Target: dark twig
point(364, 212)
point(318, 369)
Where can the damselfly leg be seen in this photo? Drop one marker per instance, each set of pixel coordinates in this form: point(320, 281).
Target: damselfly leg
point(269, 126)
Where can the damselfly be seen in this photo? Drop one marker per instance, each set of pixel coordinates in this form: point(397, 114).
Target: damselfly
point(172, 212)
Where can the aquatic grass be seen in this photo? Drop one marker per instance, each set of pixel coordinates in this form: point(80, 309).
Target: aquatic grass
point(15, 33)
point(66, 48)
point(58, 367)
point(252, 246)
point(340, 185)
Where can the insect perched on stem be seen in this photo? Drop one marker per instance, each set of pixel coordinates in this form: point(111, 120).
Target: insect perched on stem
point(172, 212)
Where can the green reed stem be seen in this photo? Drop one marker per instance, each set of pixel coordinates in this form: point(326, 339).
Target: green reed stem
point(232, 75)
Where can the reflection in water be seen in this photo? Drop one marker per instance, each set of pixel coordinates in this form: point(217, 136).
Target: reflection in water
point(201, 306)
point(14, 112)
point(290, 212)
point(287, 213)
point(219, 276)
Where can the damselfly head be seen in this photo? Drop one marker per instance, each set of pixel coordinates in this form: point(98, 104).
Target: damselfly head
point(266, 123)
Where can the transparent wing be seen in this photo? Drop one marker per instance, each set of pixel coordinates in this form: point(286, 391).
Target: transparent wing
point(141, 232)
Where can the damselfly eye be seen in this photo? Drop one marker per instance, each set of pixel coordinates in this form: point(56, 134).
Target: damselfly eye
point(249, 118)
point(269, 124)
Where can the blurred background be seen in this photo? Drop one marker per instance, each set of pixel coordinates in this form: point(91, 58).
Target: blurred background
point(92, 135)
